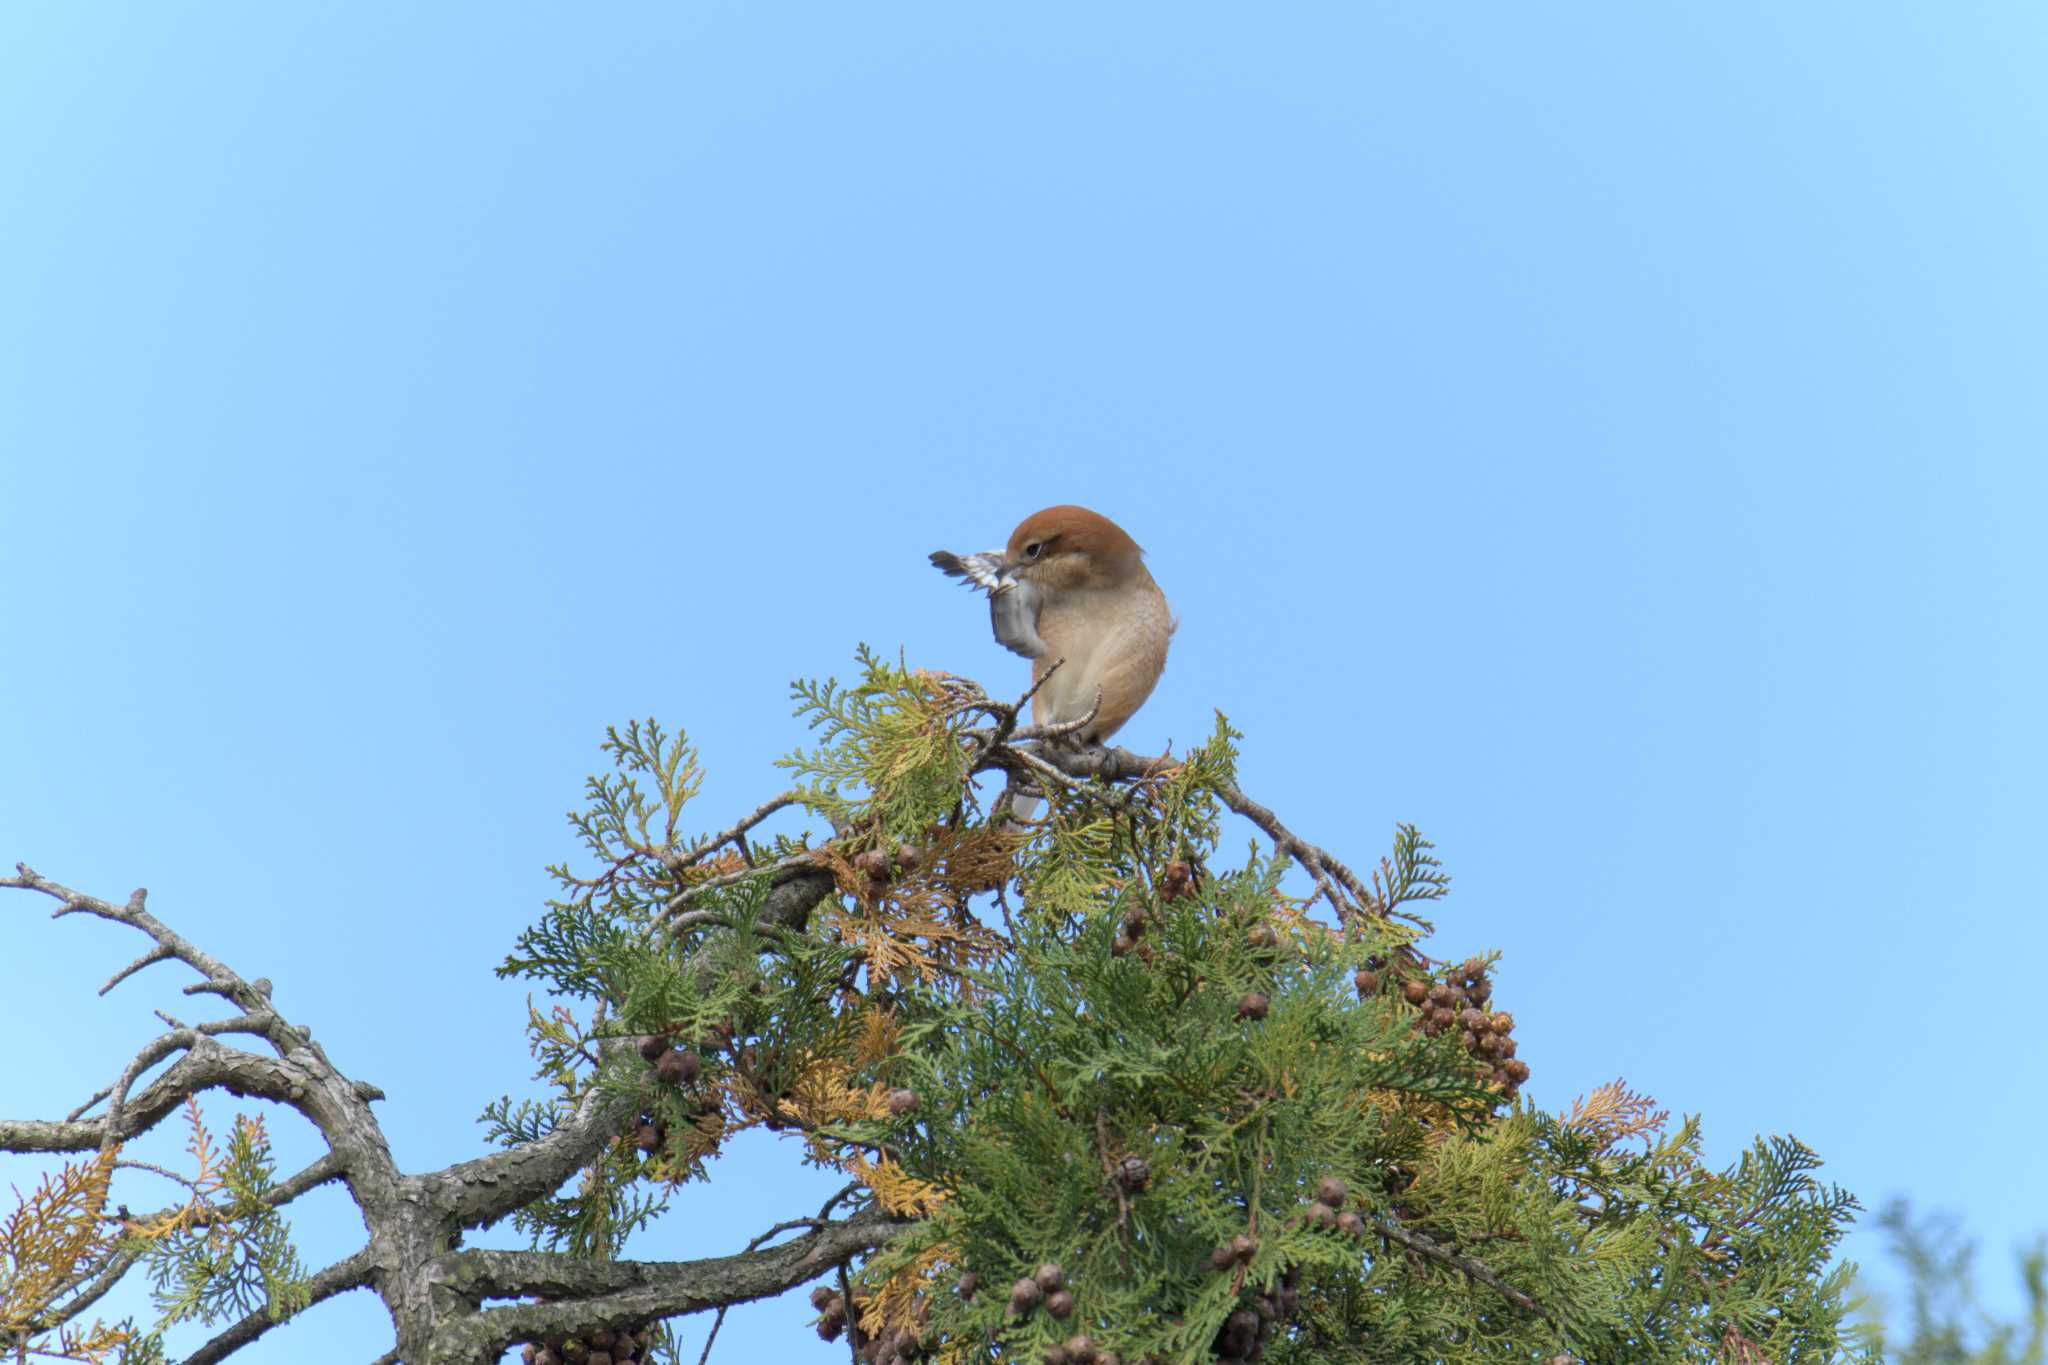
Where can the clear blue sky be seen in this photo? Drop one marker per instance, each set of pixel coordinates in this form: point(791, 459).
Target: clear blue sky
point(1610, 436)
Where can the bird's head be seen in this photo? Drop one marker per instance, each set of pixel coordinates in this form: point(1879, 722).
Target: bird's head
point(1068, 547)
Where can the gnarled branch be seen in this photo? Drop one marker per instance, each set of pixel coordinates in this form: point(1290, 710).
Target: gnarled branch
point(619, 1294)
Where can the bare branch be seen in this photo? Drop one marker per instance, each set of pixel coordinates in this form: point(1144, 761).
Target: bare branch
point(206, 1066)
point(299, 1076)
point(154, 955)
point(96, 1097)
point(734, 835)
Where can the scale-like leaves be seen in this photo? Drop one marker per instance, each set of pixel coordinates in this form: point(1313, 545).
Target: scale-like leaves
point(1151, 1068)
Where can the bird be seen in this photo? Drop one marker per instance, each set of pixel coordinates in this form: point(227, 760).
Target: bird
point(1071, 589)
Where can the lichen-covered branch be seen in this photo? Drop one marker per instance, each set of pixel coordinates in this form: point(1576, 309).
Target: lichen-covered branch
point(587, 1294)
point(413, 1219)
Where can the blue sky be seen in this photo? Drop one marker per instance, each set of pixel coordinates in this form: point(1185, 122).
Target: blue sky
point(1609, 436)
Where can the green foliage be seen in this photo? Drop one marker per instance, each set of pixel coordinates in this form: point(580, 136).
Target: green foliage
point(609, 1204)
point(229, 1252)
point(141, 1348)
point(1945, 1324)
point(224, 1252)
point(887, 751)
point(1139, 1002)
point(1413, 873)
point(1077, 1059)
point(589, 944)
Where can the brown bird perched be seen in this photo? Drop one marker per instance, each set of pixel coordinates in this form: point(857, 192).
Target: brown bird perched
point(1072, 586)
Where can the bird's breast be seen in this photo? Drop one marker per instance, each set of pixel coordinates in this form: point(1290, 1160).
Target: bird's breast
point(1114, 641)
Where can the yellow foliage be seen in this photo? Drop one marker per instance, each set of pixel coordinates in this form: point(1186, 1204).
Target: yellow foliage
point(915, 926)
point(698, 1140)
point(899, 1192)
point(877, 1040)
point(205, 1182)
point(894, 1301)
point(723, 865)
point(53, 1240)
point(824, 1094)
point(1613, 1114)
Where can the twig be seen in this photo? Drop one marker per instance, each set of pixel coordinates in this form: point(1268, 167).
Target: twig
point(782, 1227)
point(157, 954)
point(1427, 1247)
point(1123, 1203)
point(1061, 729)
point(736, 834)
point(1006, 721)
point(852, 1318)
point(82, 1110)
point(688, 894)
point(154, 1169)
point(1121, 765)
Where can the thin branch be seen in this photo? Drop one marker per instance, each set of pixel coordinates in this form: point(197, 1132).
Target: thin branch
point(1443, 1255)
point(1006, 713)
point(154, 955)
point(689, 918)
point(1121, 765)
point(846, 1191)
point(1064, 728)
point(154, 1051)
point(154, 1169)
point(776, 1231)
point(83, 1109)
point(852, 1318)
point(740, 827)
point(682, 898)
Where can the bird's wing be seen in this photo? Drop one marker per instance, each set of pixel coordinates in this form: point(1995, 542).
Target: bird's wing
point(1013, 611)
point(1012, 602)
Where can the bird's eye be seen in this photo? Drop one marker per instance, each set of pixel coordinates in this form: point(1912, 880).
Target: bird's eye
point(1031, 550)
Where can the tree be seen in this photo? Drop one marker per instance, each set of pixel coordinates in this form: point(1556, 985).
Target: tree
point(1945, 1324)
point(1101, 1093)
